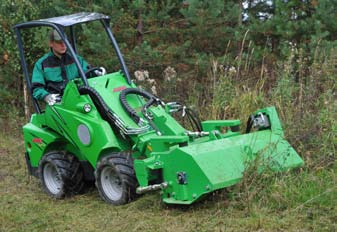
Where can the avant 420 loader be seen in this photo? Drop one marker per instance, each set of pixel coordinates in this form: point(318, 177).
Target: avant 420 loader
point(108, 130)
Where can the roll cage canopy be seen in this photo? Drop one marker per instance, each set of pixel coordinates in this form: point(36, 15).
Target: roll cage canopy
point(66, 20)
point(59, 24)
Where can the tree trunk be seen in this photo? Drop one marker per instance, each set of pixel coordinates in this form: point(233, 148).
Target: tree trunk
point(240, 13)
point(139, 35)
point(239, 25)
point(26, 101)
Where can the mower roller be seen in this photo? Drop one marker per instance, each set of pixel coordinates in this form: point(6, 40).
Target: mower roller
point(107, 130)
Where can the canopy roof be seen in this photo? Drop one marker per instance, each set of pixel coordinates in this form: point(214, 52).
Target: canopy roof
point(65, 21)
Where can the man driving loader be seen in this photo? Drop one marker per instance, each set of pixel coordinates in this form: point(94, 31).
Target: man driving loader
point(52, 72)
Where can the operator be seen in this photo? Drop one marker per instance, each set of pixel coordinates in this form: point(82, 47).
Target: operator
point(52, 72)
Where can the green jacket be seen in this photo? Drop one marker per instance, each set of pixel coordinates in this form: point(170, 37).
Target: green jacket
point(51, 74)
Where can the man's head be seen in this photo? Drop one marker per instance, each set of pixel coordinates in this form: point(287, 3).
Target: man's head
point(56, 43)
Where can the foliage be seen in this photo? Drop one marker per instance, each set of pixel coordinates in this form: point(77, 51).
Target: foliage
point(300, 201)
point(224, 60)
point(10, 78)
point(183, 34)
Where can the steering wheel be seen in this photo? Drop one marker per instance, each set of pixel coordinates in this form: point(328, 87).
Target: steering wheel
point(91, 72)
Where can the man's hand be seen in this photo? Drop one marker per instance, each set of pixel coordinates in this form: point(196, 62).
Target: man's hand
point(100, 72)
point(51, 99)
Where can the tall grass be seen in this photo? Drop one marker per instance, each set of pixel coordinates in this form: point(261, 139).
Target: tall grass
point(303, 89)
point(304, 93)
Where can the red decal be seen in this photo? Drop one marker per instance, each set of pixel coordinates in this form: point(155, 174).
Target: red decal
point(118, 89)
point(37, 140)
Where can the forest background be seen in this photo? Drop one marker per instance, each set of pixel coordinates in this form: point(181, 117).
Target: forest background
point(225, 59)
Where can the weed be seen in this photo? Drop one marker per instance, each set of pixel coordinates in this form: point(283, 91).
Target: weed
point(299, 200)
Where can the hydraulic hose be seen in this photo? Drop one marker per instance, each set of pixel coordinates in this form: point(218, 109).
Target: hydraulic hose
point(107, 114)
point(102, 108)
point(193, 117)
point(128, 108)
point(249, 123)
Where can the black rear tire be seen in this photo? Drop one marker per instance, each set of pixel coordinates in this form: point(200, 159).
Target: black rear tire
point(61, 174)
point(115, 178)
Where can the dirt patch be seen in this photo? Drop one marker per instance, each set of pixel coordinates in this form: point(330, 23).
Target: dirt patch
point(4, 151)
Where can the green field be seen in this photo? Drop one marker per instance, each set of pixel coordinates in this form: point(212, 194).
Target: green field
point(303, 200)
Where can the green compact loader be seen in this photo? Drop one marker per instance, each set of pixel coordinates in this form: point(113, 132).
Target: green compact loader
point(105, 129)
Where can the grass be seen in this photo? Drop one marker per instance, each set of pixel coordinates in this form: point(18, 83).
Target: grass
point(304, 200)
point(298, 200)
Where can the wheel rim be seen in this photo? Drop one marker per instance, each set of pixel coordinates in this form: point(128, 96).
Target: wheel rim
point(111, 183)
point(52, 178)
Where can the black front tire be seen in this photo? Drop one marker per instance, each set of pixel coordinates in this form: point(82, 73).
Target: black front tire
point(115, 178)
point(61, 174)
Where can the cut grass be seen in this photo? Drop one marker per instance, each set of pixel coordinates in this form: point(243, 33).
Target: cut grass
point(296, 201)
